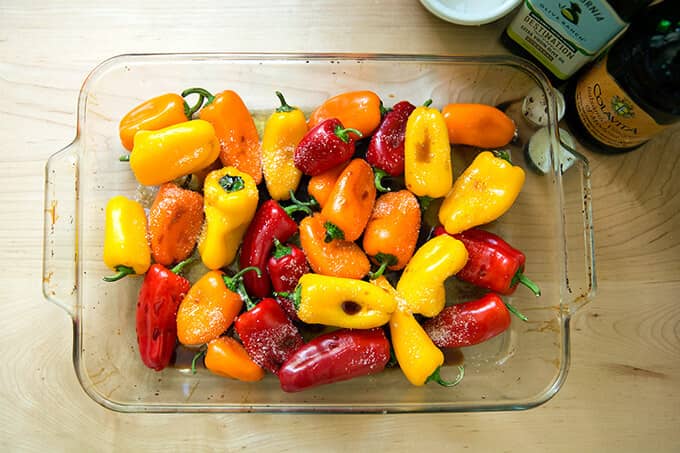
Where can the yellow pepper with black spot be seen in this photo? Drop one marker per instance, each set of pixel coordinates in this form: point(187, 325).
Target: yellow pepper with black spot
point(230, 200)
point(342, 302)
point(427, 153)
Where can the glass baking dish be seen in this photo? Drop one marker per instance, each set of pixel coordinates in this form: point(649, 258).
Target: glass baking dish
point(551, 222)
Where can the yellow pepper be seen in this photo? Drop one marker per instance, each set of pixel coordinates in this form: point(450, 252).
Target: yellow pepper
point(419, 358)
point(342, 302)
point(166, 154)
point(484, 192)
point(282, 133)
point(230, 200)
point(427, 153)
point(422, 282)
point(126, 248)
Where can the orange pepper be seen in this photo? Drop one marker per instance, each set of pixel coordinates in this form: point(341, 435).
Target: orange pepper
point(350, 203)
point(207, 310)
point(392, 231)
point(156, 113)
point(235, 129)
point(226, 357)
point(321, 186)
point(478, 125)
point(175, 222)
point(337, 258)
point(360, 110)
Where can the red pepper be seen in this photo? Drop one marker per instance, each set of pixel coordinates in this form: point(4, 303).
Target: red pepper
point(268, 334)
point(159, 297)
point(386, 150)
point(492, 263)
point(271, 222)
point(469, 323)
point(287, 264)
point(325, 146)
point(334, 357)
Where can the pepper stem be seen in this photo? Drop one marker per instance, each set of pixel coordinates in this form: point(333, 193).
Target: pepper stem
point(297, 297)
point(378, 175)
point(121, 271)
point(503, 154)
point(526, 281)
point(332, 232)
point(280, 250)
point(385, 260)
point(195, 359)
point(235, 284)
point(179, 267)
point(439, 380)
point(304, 206)
point(190, 110)
point(427, 103)
point(285, 108)
point(515, 312)
point(201, 92)
point(343, 134)
point(384, 110)
point(124, 158)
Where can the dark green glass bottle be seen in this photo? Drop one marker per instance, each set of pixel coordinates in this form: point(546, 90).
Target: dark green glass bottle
point(633, 92)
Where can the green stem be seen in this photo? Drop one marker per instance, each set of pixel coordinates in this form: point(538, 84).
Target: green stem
point(297, 296)
point(124, 158)
point(526, 281)
point(439, 380)
point(385, 260)
point(425, 202)
point(285, 108)
point(503, 154)
point(515, 312)
point(280, 250)
point(332, 232)
point(179, 267)
point(304, 206)
point(427, 103)
point(383, 110)
point(121, 271)
point(195, 359)
point(343, 134)
point(379, 175)
point(201, 92)
point(235, 284)
point(189, 110)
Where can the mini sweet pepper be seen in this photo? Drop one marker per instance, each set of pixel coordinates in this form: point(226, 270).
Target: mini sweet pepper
point(126, 249)
point(230, 198)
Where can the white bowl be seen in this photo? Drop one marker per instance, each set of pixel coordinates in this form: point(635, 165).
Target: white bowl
point(470, 12)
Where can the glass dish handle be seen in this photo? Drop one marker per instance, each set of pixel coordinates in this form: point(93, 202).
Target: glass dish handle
point(60, 242)
point(581, 282)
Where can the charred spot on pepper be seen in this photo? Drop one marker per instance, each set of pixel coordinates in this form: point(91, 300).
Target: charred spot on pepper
point(350, 307)
point(423, 153)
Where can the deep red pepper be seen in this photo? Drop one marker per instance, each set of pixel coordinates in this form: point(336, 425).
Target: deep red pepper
point(492, 263)
point(271, 222)
point(325, 146)
point(286, 265)
point(335, 356)
point(386, 150)
point(468, 323)
point(267, 333)
point(159, 297)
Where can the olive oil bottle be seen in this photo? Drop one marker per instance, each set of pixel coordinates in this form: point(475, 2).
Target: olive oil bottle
point(633, 92)
point(564, 35)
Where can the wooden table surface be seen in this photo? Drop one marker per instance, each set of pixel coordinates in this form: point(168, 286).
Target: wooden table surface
point(622, 390)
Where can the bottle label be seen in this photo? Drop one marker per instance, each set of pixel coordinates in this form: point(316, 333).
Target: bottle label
point(565, 35)
point(608, 113)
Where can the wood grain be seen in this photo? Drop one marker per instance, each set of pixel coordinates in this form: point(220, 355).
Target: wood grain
point(621, 393)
